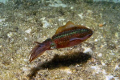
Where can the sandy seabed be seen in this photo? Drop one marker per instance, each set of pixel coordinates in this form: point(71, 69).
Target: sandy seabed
point(22, 23)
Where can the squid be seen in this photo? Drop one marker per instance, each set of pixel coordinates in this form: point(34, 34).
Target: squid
point(65, 36)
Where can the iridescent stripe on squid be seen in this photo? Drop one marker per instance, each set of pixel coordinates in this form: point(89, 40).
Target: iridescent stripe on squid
point(70, 32)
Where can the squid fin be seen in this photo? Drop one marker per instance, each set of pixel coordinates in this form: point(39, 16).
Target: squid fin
point(69, 24)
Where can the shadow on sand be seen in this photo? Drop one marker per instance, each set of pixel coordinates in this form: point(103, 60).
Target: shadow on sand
point(61, 61)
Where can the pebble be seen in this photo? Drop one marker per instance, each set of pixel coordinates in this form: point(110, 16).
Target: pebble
point(61, 19)
point(28, 31)
point(10, 34)
point(72, 7)
point(45, 24)
point(100, 55)
point(117, 35)
point(87, 50)
point(117, 67)
point(96, 40)
point(109, 77)
point(1, 20)
point(80, 15)
point(57, 3)
point(67, 70)
point(25, 69)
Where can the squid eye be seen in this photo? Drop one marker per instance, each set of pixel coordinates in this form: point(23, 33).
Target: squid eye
point(53, 45)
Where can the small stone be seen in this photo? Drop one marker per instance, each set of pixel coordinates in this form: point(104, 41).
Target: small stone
point(11, 59)
point(72, 7)
point(10, 34)
point(26, 60)
point(103, 63)
point(96, 40)
point(1, 20)
point(117, 34)
point(25, 69)
point(57, 3)
point(117, 67)
point(100, 55)
point(81, 15)
point(45, 24)
point(25, 38)
point(109, 77)
point(87, 50)
point(28, 31)
point(67, 70)
point(61, 19)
